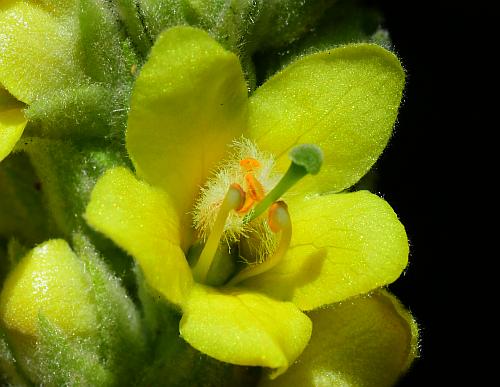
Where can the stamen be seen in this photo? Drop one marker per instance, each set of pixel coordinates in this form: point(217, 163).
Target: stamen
point(233, 200)
point(279, 221)
point(306, 159)
point(255, 192)
point(249, 164)
point(255, 188)
point(249, 202)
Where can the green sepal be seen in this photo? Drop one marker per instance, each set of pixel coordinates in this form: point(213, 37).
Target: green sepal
point(345, 22)
point(100, 44)
point(231, 23)
point(68, 173)
point(10, 374)
point(22, 208)
point(59, 359)
point(242, 27)
point(121, 334)
point(11, 252)
point(16, 251)
point(79, 113)
point(129, 13)
point(161, 14)
point(4, 261)
point(283, 21)
point(111, 354)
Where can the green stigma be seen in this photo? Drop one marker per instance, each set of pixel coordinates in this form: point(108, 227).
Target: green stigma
point(306, 159)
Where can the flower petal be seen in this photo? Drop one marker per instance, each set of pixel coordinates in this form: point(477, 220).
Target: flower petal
point(244, 328)
point(37, 49)
point(140, 219)
point(367, 341)
point(344, 100)
point(12, 122)
point(188, 103)
point(342, 245)
point(49, 280)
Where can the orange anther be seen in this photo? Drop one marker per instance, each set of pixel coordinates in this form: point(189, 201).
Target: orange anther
point(250, 164)
point(274, 221)
point(242, 194)
point(249, 202)
point(255, 188)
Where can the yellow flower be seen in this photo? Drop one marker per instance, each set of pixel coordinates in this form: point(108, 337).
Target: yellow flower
point(206, 157)
point(50, 281)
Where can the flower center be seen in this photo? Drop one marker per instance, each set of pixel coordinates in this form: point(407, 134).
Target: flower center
point(229, 215)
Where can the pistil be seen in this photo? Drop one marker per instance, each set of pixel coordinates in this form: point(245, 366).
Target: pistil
point(306, 159)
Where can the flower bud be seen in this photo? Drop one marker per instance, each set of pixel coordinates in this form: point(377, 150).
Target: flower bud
point(47, 299)
point(49, 281)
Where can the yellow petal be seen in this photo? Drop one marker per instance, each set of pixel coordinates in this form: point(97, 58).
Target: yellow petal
point(49, 280)
point(344, 100)
point(187, 104)
point(342, 245)
point(140, 219)
point(368, 341)
point(37, 49)
point(244, 328)
point(12, 122)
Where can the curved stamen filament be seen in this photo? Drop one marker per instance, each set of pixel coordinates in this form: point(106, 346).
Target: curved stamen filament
point(233, 200)
point(279, 221)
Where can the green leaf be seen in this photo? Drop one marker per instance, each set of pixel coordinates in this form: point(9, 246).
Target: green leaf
point(344, 100)
point(365, 341)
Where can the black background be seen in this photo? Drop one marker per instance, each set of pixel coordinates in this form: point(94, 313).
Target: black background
point(416, 177)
